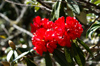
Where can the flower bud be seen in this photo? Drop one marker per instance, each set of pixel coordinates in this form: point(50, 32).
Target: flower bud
point(11, 44)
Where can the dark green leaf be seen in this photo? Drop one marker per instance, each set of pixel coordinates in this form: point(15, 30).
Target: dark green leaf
point(48, 59)
point(85, 46)
point(60, 57)
point(73, 5)
point(30, 62)
point(22, 49)
point(78, 55)
point(69, 57)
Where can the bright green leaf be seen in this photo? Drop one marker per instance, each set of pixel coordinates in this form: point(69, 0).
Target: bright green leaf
point(97, 2)
point(36, 8)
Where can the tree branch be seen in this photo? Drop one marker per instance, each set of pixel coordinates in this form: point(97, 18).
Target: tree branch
point(43, 7)
point(22, 14)
point(10, 37)
point(22, 30)
point(5, 17)
point(44, 4)
point(15, 26)
point(2, 4)
point(90, 4)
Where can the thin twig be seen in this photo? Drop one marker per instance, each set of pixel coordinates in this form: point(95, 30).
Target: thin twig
point(5, 17)
point(10, 37)
point(3, 27)
point(16, 9)
point(2, 4)
point(15, 26)
point(44, 4)
point(22, 30)
point(90, 4)
point(22, 14)
point(29, 5)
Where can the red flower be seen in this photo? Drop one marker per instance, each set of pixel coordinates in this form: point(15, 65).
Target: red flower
point(40, 23)
point(74, 29)
point(43, 40)
point(47, 34)
point(36, 24)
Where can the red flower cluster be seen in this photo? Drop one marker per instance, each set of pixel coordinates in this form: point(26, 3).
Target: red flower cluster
point(47, 34)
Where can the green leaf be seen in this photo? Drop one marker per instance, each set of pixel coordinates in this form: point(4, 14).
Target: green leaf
point(97, 2)
point(9, 55)
point(58, 10)
point(30, 62)
point(60, 57)
point(22, 50)
point(73, 5)
point(36, 8)
point(15, 54)
point(8, 49)
point(85, 46)
point(82, 17)
point(48, 59)
point(78, 55)
point(69, 57)
point(23, 54)
point(69, 12)
point(92, 29)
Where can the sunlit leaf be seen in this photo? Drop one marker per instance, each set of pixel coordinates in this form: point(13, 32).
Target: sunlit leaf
point(2, 36)
point(73, 5)
point(15, 54)
point(92, 29)
point(95, 1)
point(37, 8)
point(58, 10)
point(9, 55)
